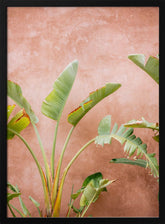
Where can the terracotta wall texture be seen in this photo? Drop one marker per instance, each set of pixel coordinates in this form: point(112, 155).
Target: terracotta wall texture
point(41, 43)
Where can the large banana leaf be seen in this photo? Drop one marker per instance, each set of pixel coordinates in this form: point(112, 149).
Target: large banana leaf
point(54, 103)
point(18, 123)
point(151, 66)
point(15, 93)
point(95, 97)
point(124, 135)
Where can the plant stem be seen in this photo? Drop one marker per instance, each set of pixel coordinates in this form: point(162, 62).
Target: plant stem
point(56, 180)
point(58, 200)
point(70, 203)
point(39, 168)
point(77, 154)
point(48, 176)
point(21, 214)
point(11, 210)
point(53, 149)
point(63, 150)
point(86, 208)
point(70, 206)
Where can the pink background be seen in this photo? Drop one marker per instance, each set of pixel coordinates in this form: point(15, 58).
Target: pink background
point(41, 43)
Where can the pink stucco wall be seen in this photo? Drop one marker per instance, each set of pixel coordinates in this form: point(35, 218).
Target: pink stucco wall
point(41, 43)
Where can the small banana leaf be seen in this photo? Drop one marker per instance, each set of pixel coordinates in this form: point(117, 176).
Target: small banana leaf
point(156, 138)
point(15, 93)
point(138, 162)
point(151, 66)
point(18, 123)
point(10, 196)
point(11, 187)
point(16, 193)
point(142, 124)
point(37, 204)
point(95, 97)
point(96, 177)
point(23, 206)
point(91, 192)
point(91, 188)
point(76, 210)
point(54, 103)
point(19, 212)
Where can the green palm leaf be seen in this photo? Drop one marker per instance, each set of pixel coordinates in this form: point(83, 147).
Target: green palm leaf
point(95, 97)
point(151, 66)
point(15, 93)
point(54, 103)
point(132, 144)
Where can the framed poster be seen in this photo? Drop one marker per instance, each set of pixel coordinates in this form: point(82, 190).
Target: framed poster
point(80, 83)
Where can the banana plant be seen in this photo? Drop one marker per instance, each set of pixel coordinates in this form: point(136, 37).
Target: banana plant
point(52, 107)
point(151, 67)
